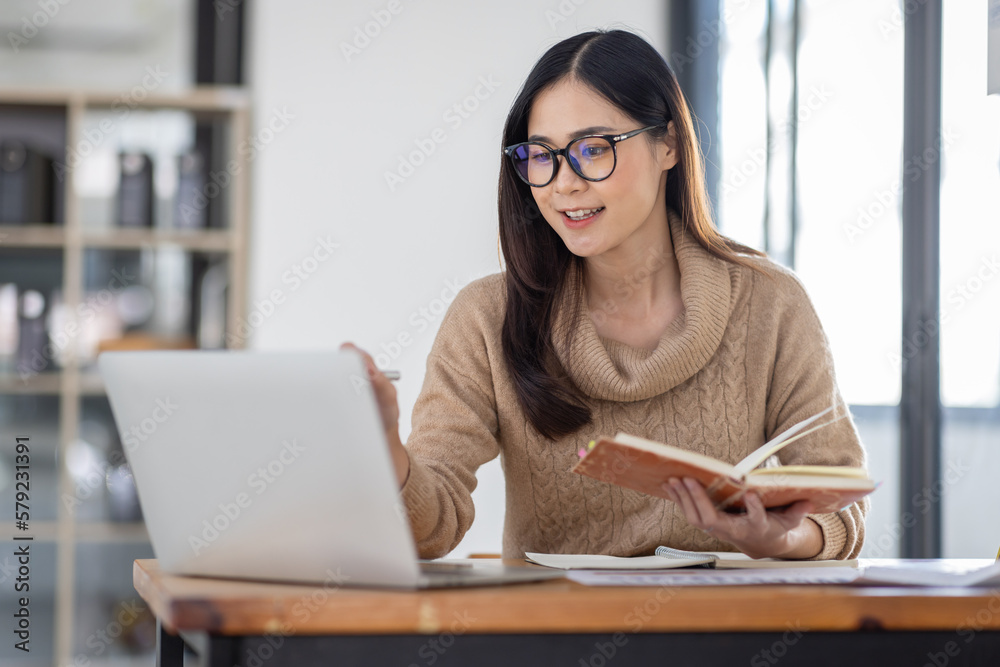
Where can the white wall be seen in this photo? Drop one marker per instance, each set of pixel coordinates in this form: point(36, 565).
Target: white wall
point(97, 44)
point(339, 122)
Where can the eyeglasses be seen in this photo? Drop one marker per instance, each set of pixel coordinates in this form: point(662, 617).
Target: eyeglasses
point(592, 157)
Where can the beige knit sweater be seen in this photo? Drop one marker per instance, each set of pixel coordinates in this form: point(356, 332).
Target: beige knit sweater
point(746, 360)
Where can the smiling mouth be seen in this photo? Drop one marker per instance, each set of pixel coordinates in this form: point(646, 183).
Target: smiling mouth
point(582, 214)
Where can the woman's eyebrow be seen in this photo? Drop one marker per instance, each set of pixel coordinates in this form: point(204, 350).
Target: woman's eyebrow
point(598, 129)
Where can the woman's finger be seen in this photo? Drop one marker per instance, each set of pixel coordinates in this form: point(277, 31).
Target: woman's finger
point(670, 493)
point(385, 392)
point(367, 358)
point(792, 516)
point(703, 504)
point(685, 501)
point(756, 512)
point(388, 407)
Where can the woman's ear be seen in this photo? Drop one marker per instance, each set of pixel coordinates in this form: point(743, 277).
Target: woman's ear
point(670, 154)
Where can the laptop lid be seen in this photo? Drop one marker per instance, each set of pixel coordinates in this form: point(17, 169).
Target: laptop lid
point(263, 465)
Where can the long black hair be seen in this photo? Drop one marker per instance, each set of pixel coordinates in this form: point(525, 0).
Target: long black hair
point(629, 73)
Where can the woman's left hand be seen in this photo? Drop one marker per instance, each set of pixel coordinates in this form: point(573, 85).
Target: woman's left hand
point(759, 533)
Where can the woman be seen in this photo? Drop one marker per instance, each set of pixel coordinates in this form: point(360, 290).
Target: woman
point(621, 309)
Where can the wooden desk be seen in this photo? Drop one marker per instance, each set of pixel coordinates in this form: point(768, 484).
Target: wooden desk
point(558, 622)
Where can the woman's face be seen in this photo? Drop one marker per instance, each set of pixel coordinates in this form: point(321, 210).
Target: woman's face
point(626, 207)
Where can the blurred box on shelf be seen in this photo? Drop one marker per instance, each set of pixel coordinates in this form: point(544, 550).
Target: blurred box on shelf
point(8, 326)
point(135, 191)
point(26, 178)
point(33, 348)
point(191, 202)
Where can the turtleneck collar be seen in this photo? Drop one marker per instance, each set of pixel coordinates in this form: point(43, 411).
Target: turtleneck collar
point(611, 370)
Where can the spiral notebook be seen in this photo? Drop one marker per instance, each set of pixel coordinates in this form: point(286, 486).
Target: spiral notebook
point(667, 558)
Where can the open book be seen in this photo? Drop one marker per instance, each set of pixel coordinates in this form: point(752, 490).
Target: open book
point(667, 558)
point(646, 465)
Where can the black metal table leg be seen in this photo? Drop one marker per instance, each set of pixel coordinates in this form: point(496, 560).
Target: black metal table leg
point(220, 652)
point(169, 648)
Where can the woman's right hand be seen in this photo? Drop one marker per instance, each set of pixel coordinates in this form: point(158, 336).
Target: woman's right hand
point(388, 407)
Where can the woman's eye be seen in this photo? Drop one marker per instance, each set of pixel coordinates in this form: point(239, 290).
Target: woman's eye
point(540, 158)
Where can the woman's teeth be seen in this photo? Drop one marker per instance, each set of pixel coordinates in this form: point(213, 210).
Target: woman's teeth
point(586, 213)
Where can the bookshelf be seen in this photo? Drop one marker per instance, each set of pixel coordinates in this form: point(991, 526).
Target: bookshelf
point(80, 552)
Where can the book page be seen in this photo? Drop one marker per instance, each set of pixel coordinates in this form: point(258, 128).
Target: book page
point(822, 471)
point(770, 447)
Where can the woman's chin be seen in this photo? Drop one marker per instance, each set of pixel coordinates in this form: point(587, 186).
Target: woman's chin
point(584, 252)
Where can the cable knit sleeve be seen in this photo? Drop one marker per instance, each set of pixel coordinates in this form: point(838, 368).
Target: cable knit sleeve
point(455, 424)
point(803, 383)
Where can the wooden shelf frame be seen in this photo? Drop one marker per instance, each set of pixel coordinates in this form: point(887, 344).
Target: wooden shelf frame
point(72, 383)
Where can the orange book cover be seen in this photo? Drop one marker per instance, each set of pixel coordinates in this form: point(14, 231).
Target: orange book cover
point(646, 465)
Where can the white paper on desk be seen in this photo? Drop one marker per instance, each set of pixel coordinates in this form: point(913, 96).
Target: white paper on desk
point(931, 572)
point(823, 575)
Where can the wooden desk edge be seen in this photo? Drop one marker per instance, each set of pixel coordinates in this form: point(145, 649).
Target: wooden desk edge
point(153, 593)
point(262, 608)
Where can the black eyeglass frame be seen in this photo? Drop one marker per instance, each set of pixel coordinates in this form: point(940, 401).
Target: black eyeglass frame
point(612, 139)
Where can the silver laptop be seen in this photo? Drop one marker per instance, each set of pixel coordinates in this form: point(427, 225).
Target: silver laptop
point(271, 465)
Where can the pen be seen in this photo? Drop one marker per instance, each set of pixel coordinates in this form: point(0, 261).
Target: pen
point(392, 376)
